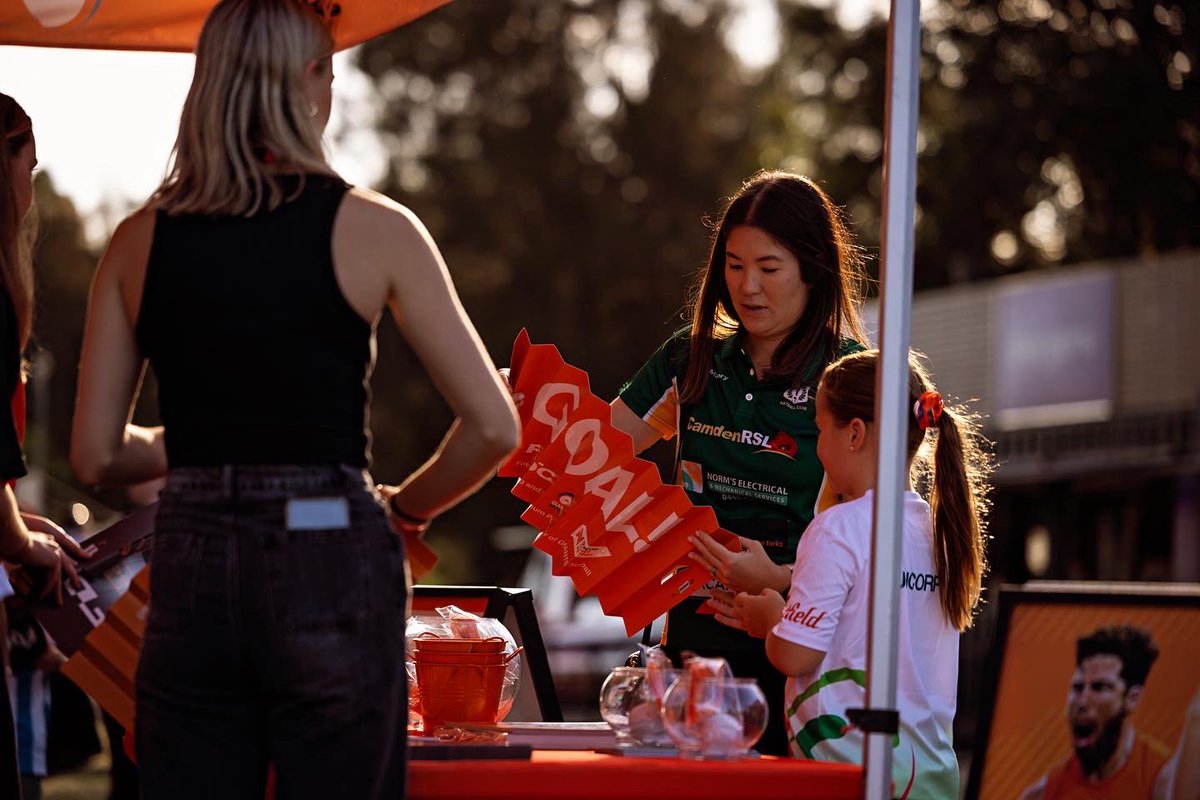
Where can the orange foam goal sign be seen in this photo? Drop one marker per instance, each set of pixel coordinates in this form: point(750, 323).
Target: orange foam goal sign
point(605, 517)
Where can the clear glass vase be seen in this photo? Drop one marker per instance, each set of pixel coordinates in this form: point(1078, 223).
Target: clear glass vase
point(630, 702)
point(715, 717)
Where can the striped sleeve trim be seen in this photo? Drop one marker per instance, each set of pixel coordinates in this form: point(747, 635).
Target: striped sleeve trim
point(663, 415)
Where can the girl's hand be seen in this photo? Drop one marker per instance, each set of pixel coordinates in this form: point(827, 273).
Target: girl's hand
point(750, 570)
point(727, 610)
point(759, 613)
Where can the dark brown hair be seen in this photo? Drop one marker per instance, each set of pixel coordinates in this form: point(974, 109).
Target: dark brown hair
point(793, 211)
point(956, 475)
point(16, 232)
point(1133, 646)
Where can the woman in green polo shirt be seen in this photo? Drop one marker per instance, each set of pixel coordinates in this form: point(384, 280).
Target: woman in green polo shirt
point(778, 301)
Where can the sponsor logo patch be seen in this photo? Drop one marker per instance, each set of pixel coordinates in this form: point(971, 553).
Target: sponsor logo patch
point(691, 476)
point(808, 617)
point(797, 399)
point(918, 581)
point(727, 487)
point(779, 444)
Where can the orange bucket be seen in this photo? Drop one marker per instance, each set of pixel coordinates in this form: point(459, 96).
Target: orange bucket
point(465, 690)
point(482, 659)
point(450, 645)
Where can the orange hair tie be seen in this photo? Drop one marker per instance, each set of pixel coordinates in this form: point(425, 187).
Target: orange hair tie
point(928, 410)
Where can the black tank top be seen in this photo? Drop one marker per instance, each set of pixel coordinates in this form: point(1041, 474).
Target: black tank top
point(259, 358)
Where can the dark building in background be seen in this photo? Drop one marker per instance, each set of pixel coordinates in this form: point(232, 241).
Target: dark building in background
point(1088, 378)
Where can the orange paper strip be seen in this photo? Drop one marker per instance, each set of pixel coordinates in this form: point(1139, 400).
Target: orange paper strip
point(588, 443)
point(566, 541)
point(652, 565)
point(546, 392)
point(421, 558)
point(623, 492)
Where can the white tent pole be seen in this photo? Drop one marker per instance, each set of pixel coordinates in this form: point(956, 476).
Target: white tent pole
point(891, 398)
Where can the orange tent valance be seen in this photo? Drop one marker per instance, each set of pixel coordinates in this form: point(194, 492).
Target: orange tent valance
point(174, 24)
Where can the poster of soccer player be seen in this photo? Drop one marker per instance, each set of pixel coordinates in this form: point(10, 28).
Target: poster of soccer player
point(1094, 693)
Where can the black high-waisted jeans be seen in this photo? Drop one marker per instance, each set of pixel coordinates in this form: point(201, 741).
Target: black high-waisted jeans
point(272, 641)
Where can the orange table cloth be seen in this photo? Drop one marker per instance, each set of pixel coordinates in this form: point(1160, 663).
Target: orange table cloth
point(596, 776)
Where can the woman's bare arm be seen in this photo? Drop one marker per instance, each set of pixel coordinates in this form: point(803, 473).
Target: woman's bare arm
point(381, 241)
point(105, 447)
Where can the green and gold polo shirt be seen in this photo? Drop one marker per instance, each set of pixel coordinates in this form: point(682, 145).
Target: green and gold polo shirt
point(748, 448)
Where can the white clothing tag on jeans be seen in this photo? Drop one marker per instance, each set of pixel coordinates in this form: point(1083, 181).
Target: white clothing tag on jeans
point(317, 513)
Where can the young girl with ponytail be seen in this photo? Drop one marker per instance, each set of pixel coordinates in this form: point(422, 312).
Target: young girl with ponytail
point(818, 635)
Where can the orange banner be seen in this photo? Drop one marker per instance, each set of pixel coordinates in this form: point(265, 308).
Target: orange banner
point(175, 24)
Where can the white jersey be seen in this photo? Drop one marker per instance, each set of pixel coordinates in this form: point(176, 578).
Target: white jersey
point(827, 610)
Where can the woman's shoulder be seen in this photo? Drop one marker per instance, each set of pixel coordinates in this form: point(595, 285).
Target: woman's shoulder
point(361, 200)
point(677, 350)
point(138, 224)
point(674, 351)
point(129, 245)
point(820, 355)
point(918, 515)
point(372, 217)
point(679, 345)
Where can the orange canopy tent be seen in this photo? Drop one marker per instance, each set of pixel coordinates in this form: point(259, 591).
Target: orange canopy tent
point(175, 24)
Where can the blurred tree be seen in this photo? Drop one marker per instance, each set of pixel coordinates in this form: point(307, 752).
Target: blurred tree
point(63, 268)
point(563, 155)
point(1050, 132)
point(1075, 127)
point(824, 117)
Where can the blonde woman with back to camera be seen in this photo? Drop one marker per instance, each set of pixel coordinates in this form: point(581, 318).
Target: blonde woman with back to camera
point(252, 282)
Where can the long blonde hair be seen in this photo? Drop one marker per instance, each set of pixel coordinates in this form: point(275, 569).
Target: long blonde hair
point(957, 475)
point(16, 230)
point(246, 107)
